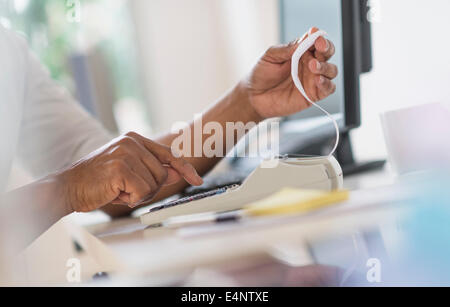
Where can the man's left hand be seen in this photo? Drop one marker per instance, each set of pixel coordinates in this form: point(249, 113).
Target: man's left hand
point(271, 90)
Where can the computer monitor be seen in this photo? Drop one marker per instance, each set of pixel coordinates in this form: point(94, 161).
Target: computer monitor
point(347, 25)
point(296, 18)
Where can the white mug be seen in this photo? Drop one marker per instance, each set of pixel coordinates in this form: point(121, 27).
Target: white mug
point(418, 138)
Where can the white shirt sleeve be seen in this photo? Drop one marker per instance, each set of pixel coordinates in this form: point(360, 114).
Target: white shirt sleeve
point(56, 131)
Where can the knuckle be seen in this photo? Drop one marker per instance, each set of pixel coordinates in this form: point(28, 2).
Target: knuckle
point(118, 166)
point(333, 88)
point(162, 176)
point(335, 70)
point(166, 148)
point(168, 156)
point(150, 182)
point(153, 185)
point(126, 146)
point(127, 141)
point(132, 134)
point(144, 193)
point(270, 51)
point(332, 47)
point(180, 162)
point(329, 86)
point(122, 150)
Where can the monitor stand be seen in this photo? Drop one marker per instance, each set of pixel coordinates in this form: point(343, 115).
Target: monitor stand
point(344, 155)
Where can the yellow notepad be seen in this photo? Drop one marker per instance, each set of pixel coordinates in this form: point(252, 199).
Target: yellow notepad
point(293, 201)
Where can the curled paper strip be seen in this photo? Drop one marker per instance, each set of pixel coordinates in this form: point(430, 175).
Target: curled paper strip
point(301, 50)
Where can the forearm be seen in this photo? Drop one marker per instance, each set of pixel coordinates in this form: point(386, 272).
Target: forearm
point(28, 212)
point(232, 108)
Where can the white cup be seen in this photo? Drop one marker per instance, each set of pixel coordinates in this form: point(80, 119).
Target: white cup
point(418, 138)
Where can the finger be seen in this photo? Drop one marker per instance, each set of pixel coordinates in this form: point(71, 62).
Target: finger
point(142, 170)
point(164, 154)
point(144, 162)
point(173, 177)
point(136, 191)
point(132, 188)
point(311, 31)
point(153, 165)
point(186, 170)
point(325, 49)
point(325, 87)
point(323, 68)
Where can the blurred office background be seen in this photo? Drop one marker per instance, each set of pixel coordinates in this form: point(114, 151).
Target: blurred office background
point(144, 64)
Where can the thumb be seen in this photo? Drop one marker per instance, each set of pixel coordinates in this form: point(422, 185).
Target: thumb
point(281, 53)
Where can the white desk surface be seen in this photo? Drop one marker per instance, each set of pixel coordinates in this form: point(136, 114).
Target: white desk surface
point(151, 251)
point(127, 246)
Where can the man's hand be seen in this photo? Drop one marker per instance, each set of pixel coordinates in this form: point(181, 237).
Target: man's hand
point(129, 171)
point(271, 90)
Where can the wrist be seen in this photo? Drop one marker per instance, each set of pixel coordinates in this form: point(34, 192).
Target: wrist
point(60, 193)
point(242, 94)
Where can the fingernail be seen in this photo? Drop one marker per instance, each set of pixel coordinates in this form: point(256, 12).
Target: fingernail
point(198, 179)
point(327, 45)
point(321, 79)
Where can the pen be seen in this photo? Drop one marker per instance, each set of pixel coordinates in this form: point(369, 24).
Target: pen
point(288, 208)
point(204, 219)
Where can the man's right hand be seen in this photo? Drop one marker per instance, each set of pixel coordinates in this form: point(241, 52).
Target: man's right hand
point(129, 171)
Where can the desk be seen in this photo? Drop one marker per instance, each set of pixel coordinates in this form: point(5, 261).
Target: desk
point(371, 179)
point(162, 252)
point(168, 256)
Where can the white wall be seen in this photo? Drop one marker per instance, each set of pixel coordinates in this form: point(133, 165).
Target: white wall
point(194, 50)
point(411, 65)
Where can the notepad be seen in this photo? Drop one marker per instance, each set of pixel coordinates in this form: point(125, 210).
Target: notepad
point(294, 201)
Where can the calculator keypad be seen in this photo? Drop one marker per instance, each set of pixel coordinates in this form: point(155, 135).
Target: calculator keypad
point(190, 199)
